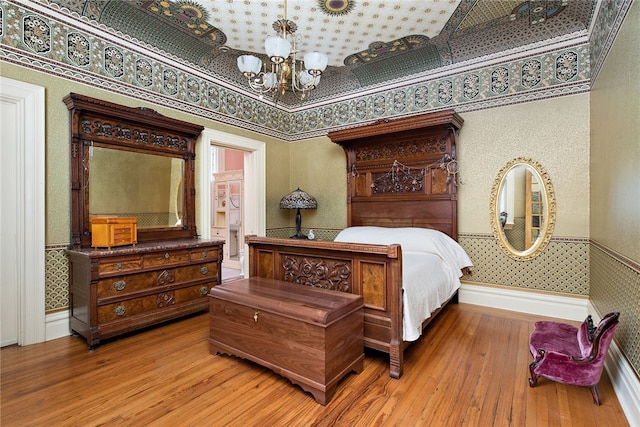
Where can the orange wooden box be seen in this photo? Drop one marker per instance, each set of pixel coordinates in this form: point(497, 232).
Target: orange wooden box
point(109, 231)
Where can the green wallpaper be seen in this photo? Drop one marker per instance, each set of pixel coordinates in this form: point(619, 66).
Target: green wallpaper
point(615, 144)
point(318, 166)
point(587, 142)
point(615, 191)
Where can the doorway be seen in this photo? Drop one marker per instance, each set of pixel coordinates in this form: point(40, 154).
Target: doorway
point(253, 191)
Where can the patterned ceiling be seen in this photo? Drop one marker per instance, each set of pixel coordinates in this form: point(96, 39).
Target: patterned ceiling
point(369, 43)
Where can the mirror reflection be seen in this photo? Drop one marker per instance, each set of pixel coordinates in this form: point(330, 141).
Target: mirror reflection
point(521, 203)
point(126, 183)
point(522, 209)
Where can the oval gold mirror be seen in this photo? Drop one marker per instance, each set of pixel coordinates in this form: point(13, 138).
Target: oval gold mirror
point(522, 209)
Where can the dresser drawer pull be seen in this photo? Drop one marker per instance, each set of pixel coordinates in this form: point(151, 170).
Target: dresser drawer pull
point(166, 255)
point(119, 310)
point(255, 316)
point(204, 290)
point(204, 270)
point(204, 254)
point(119, 266)
point(119, 285)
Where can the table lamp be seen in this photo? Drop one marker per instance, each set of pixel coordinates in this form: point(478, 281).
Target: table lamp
point(298, 199)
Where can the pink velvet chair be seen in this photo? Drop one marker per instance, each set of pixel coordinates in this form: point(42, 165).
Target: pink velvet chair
point(571, 355)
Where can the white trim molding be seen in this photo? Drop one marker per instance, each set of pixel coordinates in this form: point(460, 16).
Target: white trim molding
point(57, 325)
point(623, 378)
point(29, 103)
point(255, 172)
point(524, 301)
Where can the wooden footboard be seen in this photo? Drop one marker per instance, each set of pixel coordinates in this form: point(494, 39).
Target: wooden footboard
point(373, 271)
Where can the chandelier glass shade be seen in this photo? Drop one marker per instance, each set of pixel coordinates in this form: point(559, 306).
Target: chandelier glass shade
point(285, 70)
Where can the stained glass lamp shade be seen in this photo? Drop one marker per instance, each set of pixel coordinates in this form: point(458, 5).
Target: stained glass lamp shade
point(298, 199)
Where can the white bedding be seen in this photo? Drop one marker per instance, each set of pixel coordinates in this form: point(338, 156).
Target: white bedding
point(431, 264)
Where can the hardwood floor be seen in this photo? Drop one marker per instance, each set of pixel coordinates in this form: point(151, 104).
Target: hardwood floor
point(470, 369)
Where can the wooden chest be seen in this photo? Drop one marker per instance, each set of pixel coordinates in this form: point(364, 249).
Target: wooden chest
point(110, 231)
point(311, 336)
point(124, 289)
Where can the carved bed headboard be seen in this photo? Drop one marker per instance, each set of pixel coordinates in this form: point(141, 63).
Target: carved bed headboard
point(402, 173)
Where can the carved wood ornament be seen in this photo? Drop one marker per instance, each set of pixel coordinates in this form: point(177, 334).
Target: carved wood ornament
point(99, 123)
point(395, 166)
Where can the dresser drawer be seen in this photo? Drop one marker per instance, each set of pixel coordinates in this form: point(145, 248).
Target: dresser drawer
point(121, 286)
point(119, 265)
point(146, 304)
point(205, 254)
point(165, 258)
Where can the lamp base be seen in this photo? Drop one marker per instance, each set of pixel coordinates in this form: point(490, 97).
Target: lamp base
point(298, 236)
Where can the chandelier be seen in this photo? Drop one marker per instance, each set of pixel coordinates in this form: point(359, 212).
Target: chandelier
point(284, 71)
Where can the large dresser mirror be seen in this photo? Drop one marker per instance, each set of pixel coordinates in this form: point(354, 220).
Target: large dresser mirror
point(131, 162)
point(141, 185)
point(522, 209)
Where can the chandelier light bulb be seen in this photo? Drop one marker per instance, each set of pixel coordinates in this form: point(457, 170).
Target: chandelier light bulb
point(249, 65)
point(286, 71)
point(277, 48)
point(270, 80)
point(315, 62)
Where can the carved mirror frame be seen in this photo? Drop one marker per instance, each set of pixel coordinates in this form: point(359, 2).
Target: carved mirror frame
point(548, 211)
point(140, 130)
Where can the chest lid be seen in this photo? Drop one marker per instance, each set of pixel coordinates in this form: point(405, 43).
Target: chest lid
point(300, 302)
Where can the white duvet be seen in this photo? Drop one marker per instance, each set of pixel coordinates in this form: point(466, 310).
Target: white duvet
point(431, 264)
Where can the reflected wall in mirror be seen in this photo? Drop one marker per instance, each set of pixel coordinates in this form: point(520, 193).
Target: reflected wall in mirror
point(522, 209)
point(141, 185)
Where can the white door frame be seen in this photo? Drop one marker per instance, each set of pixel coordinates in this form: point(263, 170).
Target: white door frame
point(28, 102)
point(254, 181)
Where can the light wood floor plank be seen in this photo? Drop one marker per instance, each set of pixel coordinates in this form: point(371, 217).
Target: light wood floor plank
point(469, 369)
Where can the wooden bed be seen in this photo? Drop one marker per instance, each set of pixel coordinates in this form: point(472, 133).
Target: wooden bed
point(400, 173)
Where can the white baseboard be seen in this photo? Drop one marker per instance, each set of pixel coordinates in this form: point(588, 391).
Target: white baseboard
point(57, 325)
point(523, 301)
point(623, 378)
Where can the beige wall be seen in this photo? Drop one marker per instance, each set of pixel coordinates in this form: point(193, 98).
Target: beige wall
point(318, 166)
point(615, 144)
point(278, 184)
point(553, 132)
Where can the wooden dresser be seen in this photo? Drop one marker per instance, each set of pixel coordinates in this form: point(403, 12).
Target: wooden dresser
point(135, 256)
point(123, 289)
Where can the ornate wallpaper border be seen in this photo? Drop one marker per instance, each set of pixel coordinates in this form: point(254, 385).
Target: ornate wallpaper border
point(41, 42)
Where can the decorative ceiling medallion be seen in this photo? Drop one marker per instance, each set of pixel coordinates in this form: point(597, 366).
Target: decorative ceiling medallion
point(189, 16)
point(336, 7)
point(380, 49)
point(538, 11)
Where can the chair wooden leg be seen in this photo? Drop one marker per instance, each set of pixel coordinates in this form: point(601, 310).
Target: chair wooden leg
point(595, 394)
point(532, 366)
point(534, 377)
